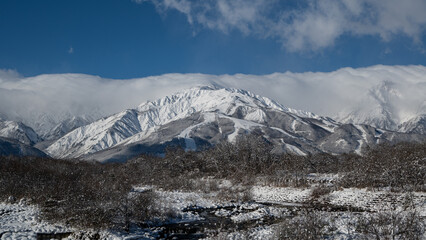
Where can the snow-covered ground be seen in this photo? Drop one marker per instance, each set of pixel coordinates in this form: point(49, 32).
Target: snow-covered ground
point(22, 221)
point(280, 195)
point(378, 200)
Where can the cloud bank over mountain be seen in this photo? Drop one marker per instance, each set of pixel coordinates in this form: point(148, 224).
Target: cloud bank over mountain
point(346, 94)
point(308, 25)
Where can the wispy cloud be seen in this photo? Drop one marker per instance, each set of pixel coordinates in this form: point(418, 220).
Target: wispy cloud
point(315, 26)
point(71, 50)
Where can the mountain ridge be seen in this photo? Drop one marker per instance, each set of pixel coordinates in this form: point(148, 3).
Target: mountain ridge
point(150, 114)
point(208, 114)
point(18, 131)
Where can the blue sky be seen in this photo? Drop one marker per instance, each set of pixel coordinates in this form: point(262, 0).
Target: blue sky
point(137, 38)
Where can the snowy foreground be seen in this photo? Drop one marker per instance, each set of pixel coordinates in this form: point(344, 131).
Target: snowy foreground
point(255, 219)
point(21, 221)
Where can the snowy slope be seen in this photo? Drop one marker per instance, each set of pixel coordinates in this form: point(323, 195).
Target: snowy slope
point(414, 125)
point(204, 116)
point(137, 124)
point(18, 131)
point(378, 108)
point(211, 98)
point(67, 126)
point(22, 221)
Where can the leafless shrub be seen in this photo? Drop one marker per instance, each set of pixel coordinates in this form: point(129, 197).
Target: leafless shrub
point(236, 193)
point(136, 208)
point(401, 167)
point(395, 221)
point(305, 226)
point(320, 191)
point(391, 225)
point(76, 193)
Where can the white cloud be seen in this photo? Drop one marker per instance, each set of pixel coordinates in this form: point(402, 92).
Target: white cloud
point(8, 75)
point(54, 97)
point(71, 50)
point(316, 26)
point(182, 6)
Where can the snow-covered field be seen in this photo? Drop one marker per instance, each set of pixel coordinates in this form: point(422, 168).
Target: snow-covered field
point(256, 219)
point(21, 221)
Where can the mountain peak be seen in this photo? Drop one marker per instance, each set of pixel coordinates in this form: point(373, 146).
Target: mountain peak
point(216, 98)
point(18, 131)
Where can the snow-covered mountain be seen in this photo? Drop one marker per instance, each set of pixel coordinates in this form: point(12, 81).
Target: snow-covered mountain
point(414, 125)
point(18, 139)
point(66, 126)
point(380, 108)
point(207, 115)
point(46, 101)
point(136, 124)
point(18, 131)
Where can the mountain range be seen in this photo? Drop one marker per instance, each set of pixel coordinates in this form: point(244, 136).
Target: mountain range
point(203, 116)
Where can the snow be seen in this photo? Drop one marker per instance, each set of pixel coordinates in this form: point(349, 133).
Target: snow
point(341, 142)
point(139, 136)
point(283, 131)
point(18, 131)
point(96, 136)
point(209, 99)
point(256, 233)
point(137, 124)
point(418, 122)
point(328, 125)
point(376, 200)
point(185, 134)
point(280, 195)
point(362, 141)
point(178, 200)
point(240, 124)
point(293, 125)
point(294, 149)
point(21, 221)
point(211, 102)
point(258, 115)
point(208, 118)
point(253, 215)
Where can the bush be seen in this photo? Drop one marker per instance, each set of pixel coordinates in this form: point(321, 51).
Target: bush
point(400, 167)
point(320, 191)
point(75, 193)
point(391, 225)
point(305, 226)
